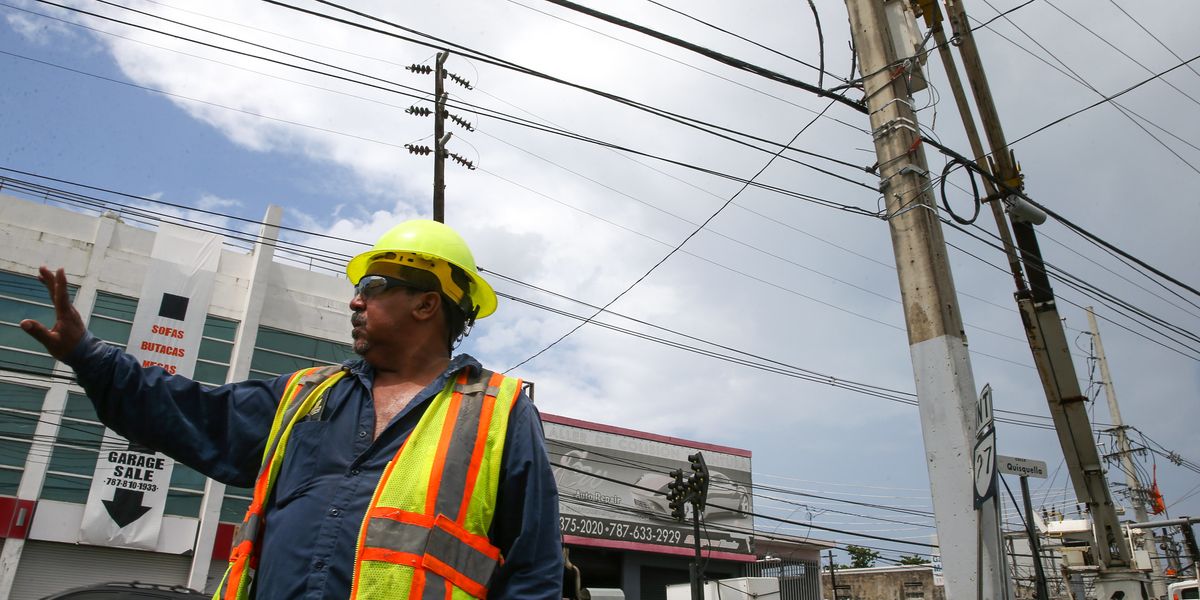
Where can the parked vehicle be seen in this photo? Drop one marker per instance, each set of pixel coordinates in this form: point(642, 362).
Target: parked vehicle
point(132, 590)
point(1184, 590)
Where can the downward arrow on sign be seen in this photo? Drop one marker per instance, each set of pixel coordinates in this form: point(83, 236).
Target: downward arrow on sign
point(125, 507)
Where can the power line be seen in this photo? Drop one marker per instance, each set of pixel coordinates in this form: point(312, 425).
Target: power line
point(819, 69)
point(1152, 36)
point(707, 52)
point(492, 60)
point(335, 259)
point(686, 64)
point(706, 127)
point(1076, 77)
point(1120, 51)
point(1103, 100)
point(1061, 219)
point(673, 250)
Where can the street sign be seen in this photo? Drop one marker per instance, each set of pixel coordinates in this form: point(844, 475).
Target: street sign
point(985, 467)
point(985, 449)
point(1009, 465)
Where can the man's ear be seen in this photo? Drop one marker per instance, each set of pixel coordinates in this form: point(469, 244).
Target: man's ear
point(427, 306)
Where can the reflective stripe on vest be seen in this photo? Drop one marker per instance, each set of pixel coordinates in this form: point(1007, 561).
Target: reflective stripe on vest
point(303, 395)
point(425, 533)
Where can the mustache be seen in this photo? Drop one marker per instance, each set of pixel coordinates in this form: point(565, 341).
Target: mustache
point(358, 319)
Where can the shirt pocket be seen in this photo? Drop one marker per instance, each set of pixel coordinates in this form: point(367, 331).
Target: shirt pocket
point(300, 461)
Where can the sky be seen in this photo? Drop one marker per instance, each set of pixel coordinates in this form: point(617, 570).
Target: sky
point(798, 271)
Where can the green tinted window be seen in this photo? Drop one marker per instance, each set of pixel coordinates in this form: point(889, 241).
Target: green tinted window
point(75, 451)
point(24, 297)
point(75, 461)
point(79, 407)
point(183, 504)
point(11, 336)
point(15, 310)
point(120, 308)
point(113, 318)
point(183, 476)
point(66, 487)
point(114, 332)
point(13, 452)
point(10, 478)
point(323, 351)
point(278, 352)
point(21, 397)
point(20, 410)
point(16, 431)
point(220, 328)
point(233, 507)
point(26, 287)
point(210, 373)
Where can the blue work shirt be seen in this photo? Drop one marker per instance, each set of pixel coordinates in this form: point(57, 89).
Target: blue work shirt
point(330, 468)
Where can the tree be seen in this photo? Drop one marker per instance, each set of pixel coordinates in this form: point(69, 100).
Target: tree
point(861, 557)
point(913, 560)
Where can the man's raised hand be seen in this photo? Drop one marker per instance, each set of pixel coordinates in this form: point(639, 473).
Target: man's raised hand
point(68, 328)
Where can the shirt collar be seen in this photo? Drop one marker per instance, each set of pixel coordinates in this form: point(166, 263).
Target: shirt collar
point(366, 372)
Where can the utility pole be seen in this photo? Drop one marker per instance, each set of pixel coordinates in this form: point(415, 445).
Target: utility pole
point(1035, 547)
point(832, 578)
point(1138, 497)
point(1039, 312)
point(439, 138)
point(937, 344)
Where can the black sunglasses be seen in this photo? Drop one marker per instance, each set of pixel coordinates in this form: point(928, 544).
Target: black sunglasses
point(372, 285)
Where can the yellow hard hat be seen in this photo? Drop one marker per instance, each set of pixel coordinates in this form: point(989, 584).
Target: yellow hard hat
point(432, 247)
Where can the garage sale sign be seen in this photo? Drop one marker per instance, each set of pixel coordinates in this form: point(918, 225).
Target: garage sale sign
point(130, 485)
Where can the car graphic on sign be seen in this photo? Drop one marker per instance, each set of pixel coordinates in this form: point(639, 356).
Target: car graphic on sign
point(727, 499)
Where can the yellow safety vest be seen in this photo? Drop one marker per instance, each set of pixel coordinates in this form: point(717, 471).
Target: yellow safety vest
point(425, 532)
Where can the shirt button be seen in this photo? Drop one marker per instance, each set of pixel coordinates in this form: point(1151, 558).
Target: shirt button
point(355, 471)
point(362, 434)
point(335, 512)
point(319, 565)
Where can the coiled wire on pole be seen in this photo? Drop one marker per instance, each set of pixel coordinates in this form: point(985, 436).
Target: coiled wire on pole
point(974, 190)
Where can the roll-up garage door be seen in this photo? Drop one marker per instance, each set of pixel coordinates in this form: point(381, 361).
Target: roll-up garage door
point(48, 567)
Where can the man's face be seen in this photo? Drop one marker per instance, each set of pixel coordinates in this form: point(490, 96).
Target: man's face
point(380, 310)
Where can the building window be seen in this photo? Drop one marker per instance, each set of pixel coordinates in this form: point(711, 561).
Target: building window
point(24, 297)
point(20, 409)
point(278, 352)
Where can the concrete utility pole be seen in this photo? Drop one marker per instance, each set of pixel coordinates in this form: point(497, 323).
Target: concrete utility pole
point(1138, 496)
point(941, 365)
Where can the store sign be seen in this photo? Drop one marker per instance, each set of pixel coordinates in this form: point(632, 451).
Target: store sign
point(612, 488)
point(129, 487)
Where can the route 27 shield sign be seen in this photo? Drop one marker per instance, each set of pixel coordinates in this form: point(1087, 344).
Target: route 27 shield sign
point(985, 450)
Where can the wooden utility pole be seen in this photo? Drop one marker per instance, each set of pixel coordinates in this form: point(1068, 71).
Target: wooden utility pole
point(439, 138)
point(937, 344)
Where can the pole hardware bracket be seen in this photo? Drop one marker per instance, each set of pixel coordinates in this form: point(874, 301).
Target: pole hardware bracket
point(898, 123)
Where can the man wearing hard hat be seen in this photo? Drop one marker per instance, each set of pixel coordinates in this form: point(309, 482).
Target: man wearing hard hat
point(405, 474)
